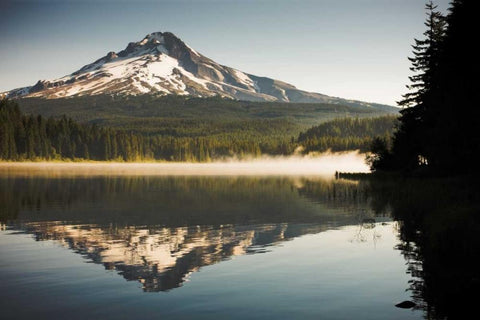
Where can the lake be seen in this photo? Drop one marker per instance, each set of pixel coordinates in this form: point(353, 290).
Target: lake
point(127, 246)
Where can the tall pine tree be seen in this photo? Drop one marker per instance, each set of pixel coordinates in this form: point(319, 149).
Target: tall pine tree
point(413, 133)
point(455, 141)
point(439, 127)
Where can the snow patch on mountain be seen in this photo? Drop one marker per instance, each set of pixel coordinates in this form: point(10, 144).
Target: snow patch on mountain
point(162, 64)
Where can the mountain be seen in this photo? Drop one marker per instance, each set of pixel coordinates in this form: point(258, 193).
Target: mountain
point(163, 64)
point(162, 258)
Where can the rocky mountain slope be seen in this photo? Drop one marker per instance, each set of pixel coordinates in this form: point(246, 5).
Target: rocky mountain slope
point(162, 64)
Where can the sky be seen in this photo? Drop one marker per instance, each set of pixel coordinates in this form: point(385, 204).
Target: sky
point(355, 49)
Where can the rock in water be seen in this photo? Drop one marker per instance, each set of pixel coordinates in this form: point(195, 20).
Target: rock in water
point(406, 304)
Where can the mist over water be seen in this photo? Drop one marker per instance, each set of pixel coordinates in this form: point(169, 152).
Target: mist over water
point(312, 165)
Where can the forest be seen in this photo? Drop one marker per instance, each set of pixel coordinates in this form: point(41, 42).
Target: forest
point(28, 137)
point(437, 130)
point(151, 111)
point(347, 134)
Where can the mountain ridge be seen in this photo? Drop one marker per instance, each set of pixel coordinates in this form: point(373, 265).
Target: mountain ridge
point(162, 64)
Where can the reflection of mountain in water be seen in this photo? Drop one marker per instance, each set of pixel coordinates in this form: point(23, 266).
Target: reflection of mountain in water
point(159, 229)
point(162, 258)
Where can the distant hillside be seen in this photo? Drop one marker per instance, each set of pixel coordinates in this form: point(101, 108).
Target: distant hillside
point(347, 134)
point(149, 113)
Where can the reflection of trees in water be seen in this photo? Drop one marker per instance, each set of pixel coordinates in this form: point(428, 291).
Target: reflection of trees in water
point(177, 200)
point(439, 224)
point(157, 230)
point(439, 231)
point(367, 230)
point(345, 195)
point(340, 193)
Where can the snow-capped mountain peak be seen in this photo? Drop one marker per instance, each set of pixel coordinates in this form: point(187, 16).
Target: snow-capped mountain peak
point(162, 64)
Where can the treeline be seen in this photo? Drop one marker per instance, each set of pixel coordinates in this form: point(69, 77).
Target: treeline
point(34, 137)
point(347, 134)
point(438, 128)
point(27, 137)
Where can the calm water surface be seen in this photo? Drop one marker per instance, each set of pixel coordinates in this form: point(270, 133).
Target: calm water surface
point(199, 247)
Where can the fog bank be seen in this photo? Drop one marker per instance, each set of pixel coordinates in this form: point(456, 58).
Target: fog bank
point(318, 165)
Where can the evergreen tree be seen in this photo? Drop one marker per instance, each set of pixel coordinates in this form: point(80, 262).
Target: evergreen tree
point(414, 130)
point(426, 57)
point(455, 142)
point(438, 129)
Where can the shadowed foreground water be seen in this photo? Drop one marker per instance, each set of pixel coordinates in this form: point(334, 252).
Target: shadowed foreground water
point(203, 247)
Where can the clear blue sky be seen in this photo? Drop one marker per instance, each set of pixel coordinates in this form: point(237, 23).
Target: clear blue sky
point(347, 48)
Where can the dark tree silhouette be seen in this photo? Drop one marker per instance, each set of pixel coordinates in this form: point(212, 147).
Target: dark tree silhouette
point(380, 157)
point(426, 56)
point(454, 139)
point(437, 127)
